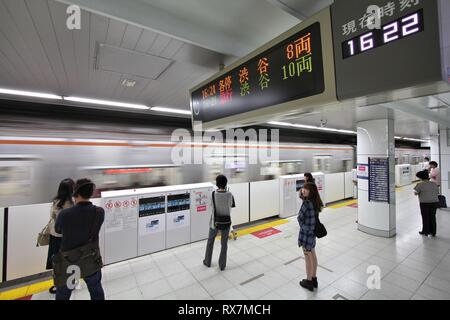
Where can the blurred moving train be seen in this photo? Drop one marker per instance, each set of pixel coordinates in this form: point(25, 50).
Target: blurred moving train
point(34, 159)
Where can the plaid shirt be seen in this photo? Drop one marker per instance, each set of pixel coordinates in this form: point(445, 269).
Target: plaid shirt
point(307, 220)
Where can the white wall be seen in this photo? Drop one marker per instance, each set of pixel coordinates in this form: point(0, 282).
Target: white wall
point(264, 199)
point(334, 187)
point(240, 214)
point(24, 258)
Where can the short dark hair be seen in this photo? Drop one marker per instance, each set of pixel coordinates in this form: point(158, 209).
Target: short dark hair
point(221, 181)
point(84, 188)
point(426, 158)
point(423, 175)
point(434, 163)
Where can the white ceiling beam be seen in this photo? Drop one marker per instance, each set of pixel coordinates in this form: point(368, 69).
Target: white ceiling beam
point(149, 17)
point(283, 6)
point(419, 112)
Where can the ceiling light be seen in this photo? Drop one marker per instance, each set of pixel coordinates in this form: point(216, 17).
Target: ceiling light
point(302, 126)
point(417, 140)
point(30, 94)
point(129, 83)
point(170, 110)
point(107, 103)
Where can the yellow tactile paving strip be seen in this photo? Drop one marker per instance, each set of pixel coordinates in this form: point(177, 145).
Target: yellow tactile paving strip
point(26, 291)
point(343, 204)
point(44, 286)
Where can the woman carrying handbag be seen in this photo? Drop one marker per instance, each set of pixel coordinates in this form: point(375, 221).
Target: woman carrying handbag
point(63, 200)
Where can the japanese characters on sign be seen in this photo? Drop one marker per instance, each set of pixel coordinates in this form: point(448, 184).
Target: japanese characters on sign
point(300, 56)
point(290, 70)
point(369, 17)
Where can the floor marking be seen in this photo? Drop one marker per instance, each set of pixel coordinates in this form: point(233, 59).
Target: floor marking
point(339, 297)
point(246, 231)
point(252, 279)
point(343, 204)
point(292, 261)
point(329, 270)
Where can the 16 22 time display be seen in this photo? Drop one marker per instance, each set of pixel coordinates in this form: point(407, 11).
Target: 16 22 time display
point(388, 33)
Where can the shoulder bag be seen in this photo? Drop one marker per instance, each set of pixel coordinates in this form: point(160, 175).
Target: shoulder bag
point(220, 222)
point(43, 238)
point(86, 257)
point(320, 231)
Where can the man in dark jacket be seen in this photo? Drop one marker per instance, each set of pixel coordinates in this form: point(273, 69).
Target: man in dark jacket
point(79, 225)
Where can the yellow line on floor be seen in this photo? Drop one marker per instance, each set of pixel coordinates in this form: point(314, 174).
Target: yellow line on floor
point(260, 227)
point(343, 204)
point(26, 291)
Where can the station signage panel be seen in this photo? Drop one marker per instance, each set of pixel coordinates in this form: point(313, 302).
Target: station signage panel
point(385, 45)
point(290, 70)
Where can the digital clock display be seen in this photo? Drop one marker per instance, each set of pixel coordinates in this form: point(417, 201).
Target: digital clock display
point(388, 33)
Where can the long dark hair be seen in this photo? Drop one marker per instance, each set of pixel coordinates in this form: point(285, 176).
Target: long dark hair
point(64, 194)
point(314, 196)
point(309, 176)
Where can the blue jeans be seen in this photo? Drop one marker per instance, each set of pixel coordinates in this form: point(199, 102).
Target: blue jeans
point(94, 284)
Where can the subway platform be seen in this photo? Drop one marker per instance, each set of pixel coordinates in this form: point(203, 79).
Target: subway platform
point(265, 263)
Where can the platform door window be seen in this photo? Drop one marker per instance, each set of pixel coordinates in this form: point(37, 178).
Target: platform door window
point(322, 164)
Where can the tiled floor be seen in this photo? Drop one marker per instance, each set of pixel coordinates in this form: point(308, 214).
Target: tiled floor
point(413, 267)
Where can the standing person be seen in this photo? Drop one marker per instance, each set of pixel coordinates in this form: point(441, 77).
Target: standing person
point(63, 200)
point(79, 226)
point(435, 174)
point(223, 201)
point(309, 178)
point(427, 163)
point(307, 219)
point(428, 193)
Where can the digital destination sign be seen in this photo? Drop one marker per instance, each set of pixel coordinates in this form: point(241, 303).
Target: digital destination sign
point(178, 202)
point(390, 32)
point(291, 70)
point(152, 206)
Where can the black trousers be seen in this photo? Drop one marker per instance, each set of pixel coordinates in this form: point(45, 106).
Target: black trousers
point(53, 248)
point(428, 212)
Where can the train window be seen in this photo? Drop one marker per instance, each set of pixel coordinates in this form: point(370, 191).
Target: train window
point(129, 177)
point(347, 165)
point(282, 168)
point(322, 163)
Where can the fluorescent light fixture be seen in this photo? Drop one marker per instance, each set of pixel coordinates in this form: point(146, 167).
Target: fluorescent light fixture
point(170, 110)
point(418, 140)
point(398, 138)
point(30, 94)
point(301, 126)
point(107, 103)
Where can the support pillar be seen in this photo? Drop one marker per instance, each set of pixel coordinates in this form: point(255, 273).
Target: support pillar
point(376, 140)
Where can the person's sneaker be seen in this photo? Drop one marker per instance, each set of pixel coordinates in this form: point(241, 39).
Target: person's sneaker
point(423, 233)
point(307, 284)
point(52, 290)
point(315, 283)
point(207, 265)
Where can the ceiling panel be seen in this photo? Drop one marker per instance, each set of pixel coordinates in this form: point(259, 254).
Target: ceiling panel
point(65, 44)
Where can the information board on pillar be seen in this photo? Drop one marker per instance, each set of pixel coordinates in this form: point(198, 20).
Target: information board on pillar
point(291, 70)
point(379, 179)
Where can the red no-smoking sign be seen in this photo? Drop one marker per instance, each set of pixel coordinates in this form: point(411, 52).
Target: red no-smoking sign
point(109, 205)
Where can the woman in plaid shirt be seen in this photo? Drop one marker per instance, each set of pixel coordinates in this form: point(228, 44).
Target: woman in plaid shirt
point(311, 207)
